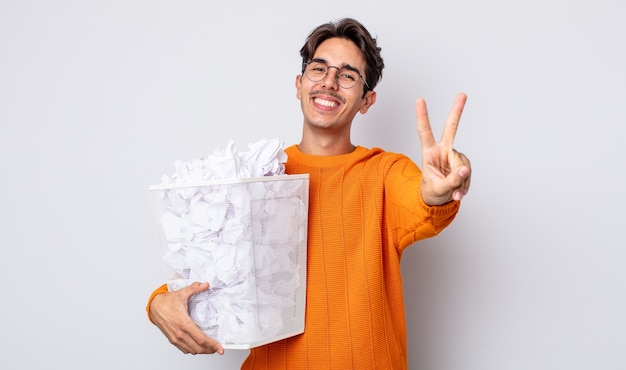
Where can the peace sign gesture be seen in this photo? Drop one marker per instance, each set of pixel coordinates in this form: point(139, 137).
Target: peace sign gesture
point(446, 173)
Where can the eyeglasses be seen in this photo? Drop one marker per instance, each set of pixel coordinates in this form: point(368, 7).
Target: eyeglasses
point(347, 77)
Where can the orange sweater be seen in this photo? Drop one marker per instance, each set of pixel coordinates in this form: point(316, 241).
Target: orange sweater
point(365, 208)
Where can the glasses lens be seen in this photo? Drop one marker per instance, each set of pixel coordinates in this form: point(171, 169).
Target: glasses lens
point(316, 71)
point(347, 78)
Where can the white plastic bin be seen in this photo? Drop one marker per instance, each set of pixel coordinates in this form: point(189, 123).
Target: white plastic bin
point(247, 237)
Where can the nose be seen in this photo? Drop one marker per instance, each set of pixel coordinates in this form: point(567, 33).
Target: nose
point(330, 81)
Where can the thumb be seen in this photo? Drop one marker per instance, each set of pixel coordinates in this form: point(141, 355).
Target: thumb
point(194, 289)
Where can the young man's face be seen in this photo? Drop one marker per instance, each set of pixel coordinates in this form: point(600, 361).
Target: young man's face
point(325, 104)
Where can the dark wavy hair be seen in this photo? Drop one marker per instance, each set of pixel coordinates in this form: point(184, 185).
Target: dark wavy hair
point(354, 31)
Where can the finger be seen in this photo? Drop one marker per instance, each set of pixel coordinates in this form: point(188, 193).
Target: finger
point(461, 174)
point(423, 124)
point(185, 334)
point(467, 173)
point(467, 183)
point(189, 338)
point(185, 343)
point(199, 341)
point(461, 191)
point(466, 186)
point(177, 330)
point(194, 341)
point(452, 123)
point(205, 344)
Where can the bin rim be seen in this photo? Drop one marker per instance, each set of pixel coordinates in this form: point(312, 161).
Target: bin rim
point(241, 180)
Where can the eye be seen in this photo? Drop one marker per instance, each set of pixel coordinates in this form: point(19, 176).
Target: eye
point(317, 68)
point(348, 75)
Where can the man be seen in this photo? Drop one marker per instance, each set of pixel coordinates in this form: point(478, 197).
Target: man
point(366, 206)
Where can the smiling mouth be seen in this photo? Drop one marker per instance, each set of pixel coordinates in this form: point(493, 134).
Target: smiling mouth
point(325, 103)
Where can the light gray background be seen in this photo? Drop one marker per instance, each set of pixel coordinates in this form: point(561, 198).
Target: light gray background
point(98, 99)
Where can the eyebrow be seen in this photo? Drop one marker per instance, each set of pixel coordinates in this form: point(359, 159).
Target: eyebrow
point(346, 66)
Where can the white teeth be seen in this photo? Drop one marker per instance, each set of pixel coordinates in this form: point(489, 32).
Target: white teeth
point(326, 103)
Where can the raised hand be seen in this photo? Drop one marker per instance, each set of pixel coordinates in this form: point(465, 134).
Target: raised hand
point(446, 172)
point(169, 312)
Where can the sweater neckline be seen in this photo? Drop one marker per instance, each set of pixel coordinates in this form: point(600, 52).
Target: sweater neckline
point(294, 153)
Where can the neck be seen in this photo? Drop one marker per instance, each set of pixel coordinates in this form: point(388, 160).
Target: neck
point(325, 141)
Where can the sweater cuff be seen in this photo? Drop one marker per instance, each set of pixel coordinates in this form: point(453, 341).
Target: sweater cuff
point(160, 290)
point(441, 210)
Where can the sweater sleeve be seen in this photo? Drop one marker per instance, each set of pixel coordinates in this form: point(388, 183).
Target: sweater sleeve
point(409, 218)
point(160, 290)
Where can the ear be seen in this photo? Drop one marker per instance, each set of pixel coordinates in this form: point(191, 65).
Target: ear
point(299, 87)
point(368, 101)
